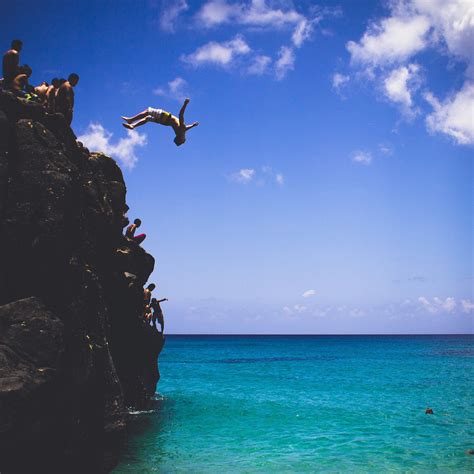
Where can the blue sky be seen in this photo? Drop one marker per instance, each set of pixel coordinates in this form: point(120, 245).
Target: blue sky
point(329, 186)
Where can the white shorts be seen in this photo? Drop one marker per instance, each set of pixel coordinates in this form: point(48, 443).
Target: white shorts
point(155, 113)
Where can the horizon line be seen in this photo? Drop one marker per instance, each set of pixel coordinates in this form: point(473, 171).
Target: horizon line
point(323, 335)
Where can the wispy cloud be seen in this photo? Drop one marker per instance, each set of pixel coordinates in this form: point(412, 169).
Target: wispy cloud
point(175, 89)
point(259, 65)
point(285, 62)
point(259, 177)
point(170, 12)
point(308, 293)
point(97, 138)
point(467, 306)
point(362, 157)
point(244, 175)
point(218, 54)
point(435, 305)
point(339, 81)
point(400, 85)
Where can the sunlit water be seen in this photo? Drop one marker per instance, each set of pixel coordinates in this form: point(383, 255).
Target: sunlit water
point(309, 404)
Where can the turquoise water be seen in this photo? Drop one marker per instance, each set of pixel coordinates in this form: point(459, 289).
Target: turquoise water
point(308, 404)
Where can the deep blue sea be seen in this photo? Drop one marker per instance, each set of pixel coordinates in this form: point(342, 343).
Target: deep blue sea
point(308, 404)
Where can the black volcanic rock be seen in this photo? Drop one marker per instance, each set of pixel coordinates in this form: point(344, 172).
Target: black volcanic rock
point(74, 352)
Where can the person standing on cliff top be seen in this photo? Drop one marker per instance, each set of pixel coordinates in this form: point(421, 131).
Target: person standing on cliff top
point(163, 118)
point(51, 95)
point(130, 232)
point(65, 97)
point(11, 62)
point(158, 313)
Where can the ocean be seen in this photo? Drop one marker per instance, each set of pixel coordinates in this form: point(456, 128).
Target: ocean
point(261, 404)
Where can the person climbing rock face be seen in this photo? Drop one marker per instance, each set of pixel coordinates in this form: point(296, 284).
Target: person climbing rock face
point(65, 97)
point(11, 62)
point(130, 232)
point(41, 91)
point(147, 293)
point(158, 313)
point(163, 118)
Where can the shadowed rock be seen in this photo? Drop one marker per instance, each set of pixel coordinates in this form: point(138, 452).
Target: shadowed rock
point(74, 352)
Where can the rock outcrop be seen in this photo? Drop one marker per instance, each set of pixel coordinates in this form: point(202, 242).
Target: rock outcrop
point(74, 353)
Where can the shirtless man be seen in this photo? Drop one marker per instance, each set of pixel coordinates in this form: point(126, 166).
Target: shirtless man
point(65, 97)
point(164, 118)
point(158, 313)
point(41, 91)
point(51, 95)
point(11, 62)
point(147, 294)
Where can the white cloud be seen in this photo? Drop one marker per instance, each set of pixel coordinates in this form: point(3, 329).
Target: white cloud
point(363, 157)
point(245, 175)
point(175, 89)
point(454, 116)
point(97, 138)
point(308, 293)
point(219, 54)
point(259, 65)
point(339, 80)
point(170, 13)
point(446, 26)
point(257, 13)
point(467, 306)
point(400, 83)
point(437, 304)
point(285, 62)
point(299, 308)
point(393, 39)
point(280, 179)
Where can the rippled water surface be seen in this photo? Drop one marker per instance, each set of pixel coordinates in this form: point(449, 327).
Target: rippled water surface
point(308, 404)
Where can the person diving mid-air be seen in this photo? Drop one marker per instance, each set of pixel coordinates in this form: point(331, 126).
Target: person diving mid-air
point(164, 118)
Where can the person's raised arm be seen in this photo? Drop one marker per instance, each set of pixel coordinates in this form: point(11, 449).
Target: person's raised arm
point(181, 112)
point(164, 299)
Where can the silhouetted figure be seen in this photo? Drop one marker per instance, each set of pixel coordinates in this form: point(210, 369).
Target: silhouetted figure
point(65, 97)
point(429, 411)
point(130, 232)
point(51, 95)
point(11, 62)
point(158, 313)
point(147, 294)
point(147, 314)
point(164, 118)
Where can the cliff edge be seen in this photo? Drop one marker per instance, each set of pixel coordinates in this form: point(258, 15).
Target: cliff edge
point(74, 352)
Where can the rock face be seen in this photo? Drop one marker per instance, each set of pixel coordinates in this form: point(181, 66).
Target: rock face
point(74, 352)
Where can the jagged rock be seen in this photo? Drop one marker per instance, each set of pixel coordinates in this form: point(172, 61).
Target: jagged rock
point(74, 352)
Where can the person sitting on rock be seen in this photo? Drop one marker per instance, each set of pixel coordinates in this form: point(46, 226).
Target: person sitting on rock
point(164, 118)
point(147, 294)
point(65, 97)
point(41, 91)
point(130, 232)
point(158, 313)
point(51, 95)
point(11, 63)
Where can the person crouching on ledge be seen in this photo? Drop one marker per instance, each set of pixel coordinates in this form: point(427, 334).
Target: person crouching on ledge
point(130, 232)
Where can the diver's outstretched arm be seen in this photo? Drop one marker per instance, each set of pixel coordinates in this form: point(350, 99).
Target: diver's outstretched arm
point(181, 112)
point(189, 127)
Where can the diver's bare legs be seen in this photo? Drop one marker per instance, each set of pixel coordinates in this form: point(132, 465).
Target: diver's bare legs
point(135, 117)
point(141, 122)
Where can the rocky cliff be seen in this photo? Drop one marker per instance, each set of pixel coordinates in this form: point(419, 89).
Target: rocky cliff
point(74, 353)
